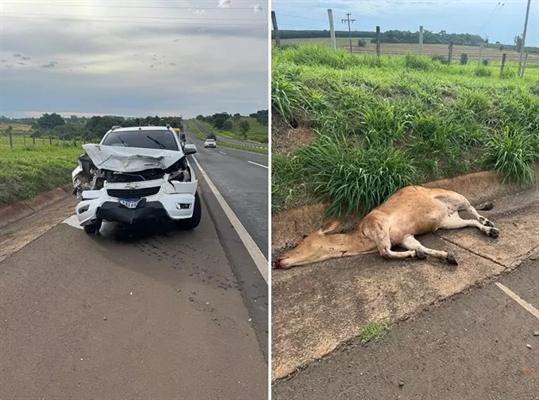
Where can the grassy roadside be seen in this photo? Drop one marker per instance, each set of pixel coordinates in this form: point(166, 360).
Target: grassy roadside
point(27, 170)
point(257, 133)
point(202, 136)
point(381, 124)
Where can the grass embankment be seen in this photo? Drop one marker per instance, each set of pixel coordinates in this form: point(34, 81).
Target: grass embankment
point(27, 170)
point(257, 132)
point(381, 124)
point(195, 130)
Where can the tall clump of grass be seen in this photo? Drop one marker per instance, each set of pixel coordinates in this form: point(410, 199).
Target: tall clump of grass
point(286, 181)
point(511, 154)
point(422, 63)
point(287, 93)
point(353, 179)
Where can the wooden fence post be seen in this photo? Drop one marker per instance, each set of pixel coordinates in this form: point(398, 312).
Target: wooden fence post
point(275, 29)
point(10, 138)
point(480, 51)
point(33, 140)
point(421, 40)
point(503, 64)
point(450, 55)
point(50, 140)
point(378, 41)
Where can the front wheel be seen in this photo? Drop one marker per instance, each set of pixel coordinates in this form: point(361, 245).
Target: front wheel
point(194, 221)
point(93, 228)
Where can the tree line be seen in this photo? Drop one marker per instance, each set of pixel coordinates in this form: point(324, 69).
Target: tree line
point(88, 128)
point(226, 121)
point(408, 37)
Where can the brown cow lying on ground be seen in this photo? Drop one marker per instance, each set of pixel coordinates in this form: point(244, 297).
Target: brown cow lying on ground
point(413, 210)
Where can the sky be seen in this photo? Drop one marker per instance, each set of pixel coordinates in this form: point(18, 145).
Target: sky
point(498, 20)
point(133, 57)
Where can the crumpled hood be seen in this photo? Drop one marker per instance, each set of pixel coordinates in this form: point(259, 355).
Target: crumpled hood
point(130, 159)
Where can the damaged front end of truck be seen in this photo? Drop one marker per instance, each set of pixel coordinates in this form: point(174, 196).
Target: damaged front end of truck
point(130, 185)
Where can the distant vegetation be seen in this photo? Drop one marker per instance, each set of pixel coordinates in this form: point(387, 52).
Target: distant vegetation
point(368, 125)
point(396, 36)
point(254, 127)
point(81, 128)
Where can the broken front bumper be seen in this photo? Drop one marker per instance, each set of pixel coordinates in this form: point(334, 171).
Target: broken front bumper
point(98, 204)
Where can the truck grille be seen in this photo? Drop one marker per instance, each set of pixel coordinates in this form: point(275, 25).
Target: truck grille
point(133, 193)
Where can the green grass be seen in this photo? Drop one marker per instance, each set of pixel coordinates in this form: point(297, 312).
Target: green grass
point(27, 170)
point(373, 331)
point(383, 123)
point(195, 130)
point(257, 132)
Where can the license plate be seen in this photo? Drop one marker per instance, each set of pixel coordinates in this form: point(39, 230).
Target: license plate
point(129, 203)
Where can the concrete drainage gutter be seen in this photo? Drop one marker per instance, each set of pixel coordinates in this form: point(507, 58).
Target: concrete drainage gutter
point(24, 208)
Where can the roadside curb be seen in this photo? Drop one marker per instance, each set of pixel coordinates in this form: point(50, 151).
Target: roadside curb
point(288, 227)
point(24, 208)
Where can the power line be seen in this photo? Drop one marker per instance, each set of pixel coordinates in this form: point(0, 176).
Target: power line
point(492, 14)
point(124, 17)
point(124, 6)
point(121, 21)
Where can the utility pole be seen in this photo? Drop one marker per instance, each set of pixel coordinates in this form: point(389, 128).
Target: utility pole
point(523, 39)
point(347, 19)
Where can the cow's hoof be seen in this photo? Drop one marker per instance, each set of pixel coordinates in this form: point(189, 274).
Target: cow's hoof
point(494, 233)
point(277, 264)
point(420, 254)
point(451, 259)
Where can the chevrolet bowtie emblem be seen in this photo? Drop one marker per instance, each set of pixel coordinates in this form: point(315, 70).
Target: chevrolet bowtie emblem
point(132, 185)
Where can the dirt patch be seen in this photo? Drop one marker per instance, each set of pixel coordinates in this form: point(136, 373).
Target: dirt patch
point(285, 139)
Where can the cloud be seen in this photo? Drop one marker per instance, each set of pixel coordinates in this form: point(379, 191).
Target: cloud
point(224, 3)
point(202, 63)
point(52, 64)
point(257, 8)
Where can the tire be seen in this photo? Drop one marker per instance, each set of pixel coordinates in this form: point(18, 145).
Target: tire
point(93, 228)
point(191, 223)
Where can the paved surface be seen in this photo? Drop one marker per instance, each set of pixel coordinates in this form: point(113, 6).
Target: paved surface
point(136, 313)
point(243, 184)
point(472, 347)
point(315, 308)
point(248, 143)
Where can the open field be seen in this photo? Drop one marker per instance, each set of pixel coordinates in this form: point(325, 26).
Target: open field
point(473, 52)
point(257, 132)
point(27, 170)
point(16, 127)
point(366, 126)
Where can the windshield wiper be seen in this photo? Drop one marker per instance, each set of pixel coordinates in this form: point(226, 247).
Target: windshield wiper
point(121, 140)
point(156, 141)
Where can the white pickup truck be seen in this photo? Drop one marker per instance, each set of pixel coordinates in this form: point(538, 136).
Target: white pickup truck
point(136, 174)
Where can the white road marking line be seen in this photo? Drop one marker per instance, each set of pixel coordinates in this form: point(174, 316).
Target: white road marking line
point(260, 165)
point(222, 152)
point(534, 311)
point(255, 253)
point(72, 221)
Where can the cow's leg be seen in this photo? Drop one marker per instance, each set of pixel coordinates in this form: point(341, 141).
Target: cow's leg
point(454, 221)
point(412, 243)
point(461, 203)
point(379, 234)
point(480, 218)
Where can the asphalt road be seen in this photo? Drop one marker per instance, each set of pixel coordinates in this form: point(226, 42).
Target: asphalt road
point(242, 178)
point(479, 345)
point(204, 129)
point(136, 313)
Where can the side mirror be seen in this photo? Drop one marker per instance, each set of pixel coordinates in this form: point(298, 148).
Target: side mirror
point(189, 149)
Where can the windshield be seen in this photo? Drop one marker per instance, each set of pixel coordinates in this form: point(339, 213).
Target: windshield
point(143, 139)
point(210, 140)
